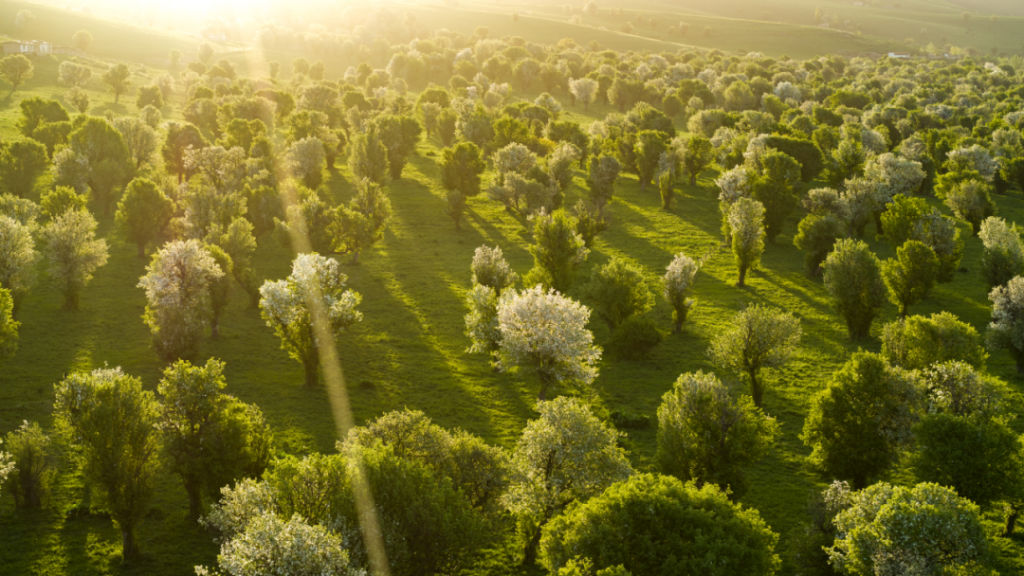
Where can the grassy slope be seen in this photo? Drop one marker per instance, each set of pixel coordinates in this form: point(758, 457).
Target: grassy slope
point(408, 352)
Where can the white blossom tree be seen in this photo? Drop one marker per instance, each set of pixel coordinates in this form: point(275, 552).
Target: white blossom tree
point(677, 281)
point(74, 252)
point(925, 530)
point(1006, 331)
point(584, 89)
point(177, 284)
point(270, 545)
point(310, 304)
point(17, 256)
point(514, 158)
point(733, 185)
point(490, 269)
point(546, 332)
point(564, 456)
point(306, 160)
point(746, 226)
point(1004, 252)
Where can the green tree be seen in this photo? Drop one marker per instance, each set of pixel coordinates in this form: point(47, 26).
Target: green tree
point(180, 137)
point(15, 70)
point(775, 189)
point(142, 213)
point(911, 275)
point(399, 134)
point(626, 526)
point(861, 422)
point(1006, 331)
point(745, 219)
point(83, 40)
point(111, 421)
point(150, 96)
point(368, 158)
point(461, 168)
point(558, 251)
point(35, 463)
point(695, 154)
point(901, 218)
point(853, 277)
point(361, 224)
point(564, 456)
point(892, 530)
point(706, 436)
point(212, 439)
point(817, 236)
point(649, 146)
point(677, 282)
point(74, 253)
point(917, 342)
point(8, 325)
point(118, 77)
point(1003, 257)
point(758, 337)
point(21, 164)
point(618, 290)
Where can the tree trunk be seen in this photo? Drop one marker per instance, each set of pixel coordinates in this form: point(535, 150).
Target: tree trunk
point(312, 371)
point(215, 326)
point(693, 180)
point(903, 311)
point(756, 389)
point(530, 554)
point(355, 257)
point(1012, 512)
point(127, 544)
point(195, 502)
point(743, 274)
point(142, 249)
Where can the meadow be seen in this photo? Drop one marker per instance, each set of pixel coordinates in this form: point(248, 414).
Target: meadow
point(410, 349)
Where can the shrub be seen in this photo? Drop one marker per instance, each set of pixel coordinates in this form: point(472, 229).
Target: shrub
point(635, 338)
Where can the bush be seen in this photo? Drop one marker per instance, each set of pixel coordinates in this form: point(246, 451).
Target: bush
point(33, 465)
point(635, 338)
point(805, 152)
point(918, 342)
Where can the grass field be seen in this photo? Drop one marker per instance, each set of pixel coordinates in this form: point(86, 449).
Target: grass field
point(409, 352)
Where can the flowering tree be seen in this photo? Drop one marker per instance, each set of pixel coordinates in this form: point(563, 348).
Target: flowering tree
point(1006, 331)
point(926, 530)
point(564, 456)
point(482, 320)
point(490, 269)
point(677, 281)
point(1004, 252)
point(746, 227)
point(892, 175)
point(941, 234)
point(74, 252)
point(862, 421)
point(706, 436)
point(111, 420)
point(920, 341)
point(733, 185)
point(546, 332)
point(177, 284)
point(604, 171)
point(584, 90)
point(360, 225)
point(17, 256)
point(514, 157)
point(270, 545)
point(759, 337)
point(971, 200)
point(310, 304)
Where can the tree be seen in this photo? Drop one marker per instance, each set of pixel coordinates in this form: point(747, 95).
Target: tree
point(34, 465)
point(706, 436)
point(23, 19)
point(17, 259)
point(971, 200)
point(490, 269)
point(558, 251)
point(746, 217)
point(78, 99)
point(618, 290)
point(106, 155)
point(861, 422)
point(584, 90)
point(140, 138)
point(74, 253)
point(564, 456)
point(759, 337)
point(926, 529)
point(82, 40)
point(917, 342)
point(142, 213)
point(1004, 252)
point(175, 57)
point(369, 158)
point(604, 171)
point(312, 301)
point(482, 321)
point(817, 236)
point(306, 159)
point(72, 74)
point(150, 96)
point(546, 332)
point(21, 164)
point(853, 277)
point(695, 154)
point(15, 70)
point(911, 275)
point(649, 146)
point(775, 189)
point(293, 547)
point(118, 77)
point(205, 53)
point(360, 225)
point(212, 439)
point(8, 333)
point(181, 137)
point(626, 526)
point(941, 234)
point(461, 168)
point(901, 218)
point(1006, 331)
point(677, 281)
point(399, 134)
point(111, 420)
point(177, 285)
